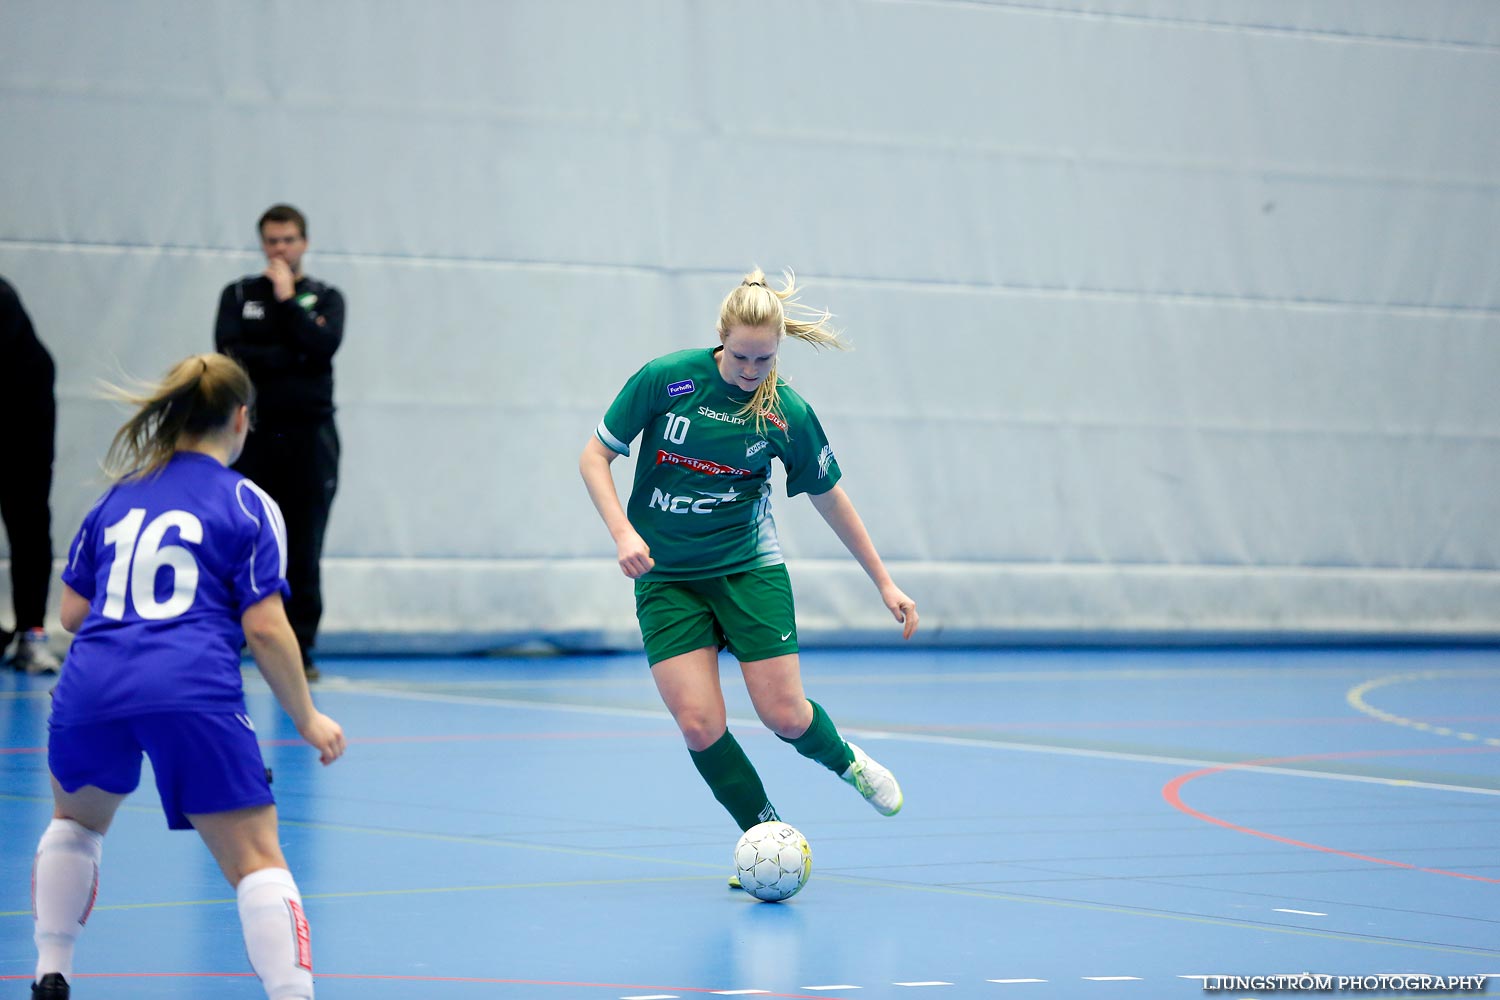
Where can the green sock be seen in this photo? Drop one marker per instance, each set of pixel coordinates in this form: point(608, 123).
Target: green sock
point(733, 780)
point(822, 742)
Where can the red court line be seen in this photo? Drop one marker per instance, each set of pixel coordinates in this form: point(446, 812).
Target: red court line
point(1172, 792)
point(424, 979)
point(445, 738)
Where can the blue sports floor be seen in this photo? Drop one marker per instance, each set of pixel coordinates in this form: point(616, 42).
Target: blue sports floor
point(1102, 824)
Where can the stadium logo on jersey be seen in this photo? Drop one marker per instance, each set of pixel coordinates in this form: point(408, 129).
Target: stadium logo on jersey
point(825, 459)
point(254, 310)
point(681, 388)
point(755, 448)
point(704, 503)
point(728, 418)
point(699, 464)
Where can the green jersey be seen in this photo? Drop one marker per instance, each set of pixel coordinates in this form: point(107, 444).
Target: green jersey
point(702, 493)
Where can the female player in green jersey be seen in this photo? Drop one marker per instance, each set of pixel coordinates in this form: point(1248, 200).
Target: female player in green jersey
point(699, 541)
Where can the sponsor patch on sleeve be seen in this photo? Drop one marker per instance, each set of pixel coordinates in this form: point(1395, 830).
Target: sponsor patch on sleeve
point(681, 388)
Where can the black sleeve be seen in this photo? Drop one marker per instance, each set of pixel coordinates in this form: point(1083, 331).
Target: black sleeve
point(21, 353)
point(229, 338)
point(317, 332)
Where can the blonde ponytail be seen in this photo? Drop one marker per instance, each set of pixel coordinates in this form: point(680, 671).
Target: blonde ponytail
point(756, 304)
point(199, 396)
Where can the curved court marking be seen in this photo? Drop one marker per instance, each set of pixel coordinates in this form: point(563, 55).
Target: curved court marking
point(1172, 792)
point(1356, 698)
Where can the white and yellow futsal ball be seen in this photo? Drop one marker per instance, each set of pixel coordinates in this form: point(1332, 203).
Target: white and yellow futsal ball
point(773, 861)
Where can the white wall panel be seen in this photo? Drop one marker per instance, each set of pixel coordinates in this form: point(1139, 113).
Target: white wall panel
point(1171, 319)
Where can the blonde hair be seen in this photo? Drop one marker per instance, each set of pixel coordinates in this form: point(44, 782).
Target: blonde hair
point(199, 396)
point(756, 304)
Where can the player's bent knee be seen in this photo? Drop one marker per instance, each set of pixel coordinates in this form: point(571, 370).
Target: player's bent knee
point(700, 732)
point(702, 737)
point(789, 720)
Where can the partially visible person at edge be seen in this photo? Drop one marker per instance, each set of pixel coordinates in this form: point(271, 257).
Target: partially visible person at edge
point(179, 563)
point(28, 414)
point(700, 543)
point(284, 327)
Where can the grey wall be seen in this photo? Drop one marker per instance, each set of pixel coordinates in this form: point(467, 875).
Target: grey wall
point(1171, 318)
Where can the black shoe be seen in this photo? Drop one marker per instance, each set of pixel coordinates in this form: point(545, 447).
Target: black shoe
point(52, 987)
point(310, 669)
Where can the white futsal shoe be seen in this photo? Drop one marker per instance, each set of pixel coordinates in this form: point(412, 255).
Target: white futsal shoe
point(876, 783)
point(32, 655)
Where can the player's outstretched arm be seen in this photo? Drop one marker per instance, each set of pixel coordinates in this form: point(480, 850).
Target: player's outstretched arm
point(631, 550)
point(274, 646)
point(838, 510)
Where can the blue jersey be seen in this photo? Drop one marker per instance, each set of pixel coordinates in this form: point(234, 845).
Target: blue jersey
point(168, 564)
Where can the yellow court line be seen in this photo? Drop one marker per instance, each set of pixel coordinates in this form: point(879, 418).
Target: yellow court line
point(456, 838)
point(876, 883)
point(851, 879)
point(1356, 699)
point(367, 893)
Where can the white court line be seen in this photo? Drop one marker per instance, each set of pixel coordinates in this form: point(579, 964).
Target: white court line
point(1302, 913)
point(935, 982)
point(1112, 979)
point(736, 993)
point(1015, 980)
point(374, 690)
point(840, 986)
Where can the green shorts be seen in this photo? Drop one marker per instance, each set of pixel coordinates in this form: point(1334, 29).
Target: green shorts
point(751, 613)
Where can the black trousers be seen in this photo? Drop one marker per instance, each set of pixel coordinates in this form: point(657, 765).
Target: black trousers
point(28, 431)
point(298, 464)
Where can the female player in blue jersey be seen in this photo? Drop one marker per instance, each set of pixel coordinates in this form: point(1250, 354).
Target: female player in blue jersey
point(175, 566)
point(699, 540)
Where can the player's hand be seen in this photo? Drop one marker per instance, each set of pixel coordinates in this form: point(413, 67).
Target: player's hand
point(903, 609)
point(634, 556)
point(283, 281)
point(325, 736)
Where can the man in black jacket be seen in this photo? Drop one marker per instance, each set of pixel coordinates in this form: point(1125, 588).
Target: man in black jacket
point(284, 327)
point(28, 415)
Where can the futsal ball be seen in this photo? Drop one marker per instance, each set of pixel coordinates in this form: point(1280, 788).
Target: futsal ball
point(773, 861)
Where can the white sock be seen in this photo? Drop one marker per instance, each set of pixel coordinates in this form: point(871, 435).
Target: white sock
point(64, 882)
point(276, 936)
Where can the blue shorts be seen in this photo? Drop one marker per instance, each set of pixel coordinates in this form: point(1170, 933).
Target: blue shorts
point(204, 762)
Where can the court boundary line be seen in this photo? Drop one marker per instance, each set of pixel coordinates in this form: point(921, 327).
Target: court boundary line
point(864, 732)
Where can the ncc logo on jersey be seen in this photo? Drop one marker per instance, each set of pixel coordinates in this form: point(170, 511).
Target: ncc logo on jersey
point(681, 388)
